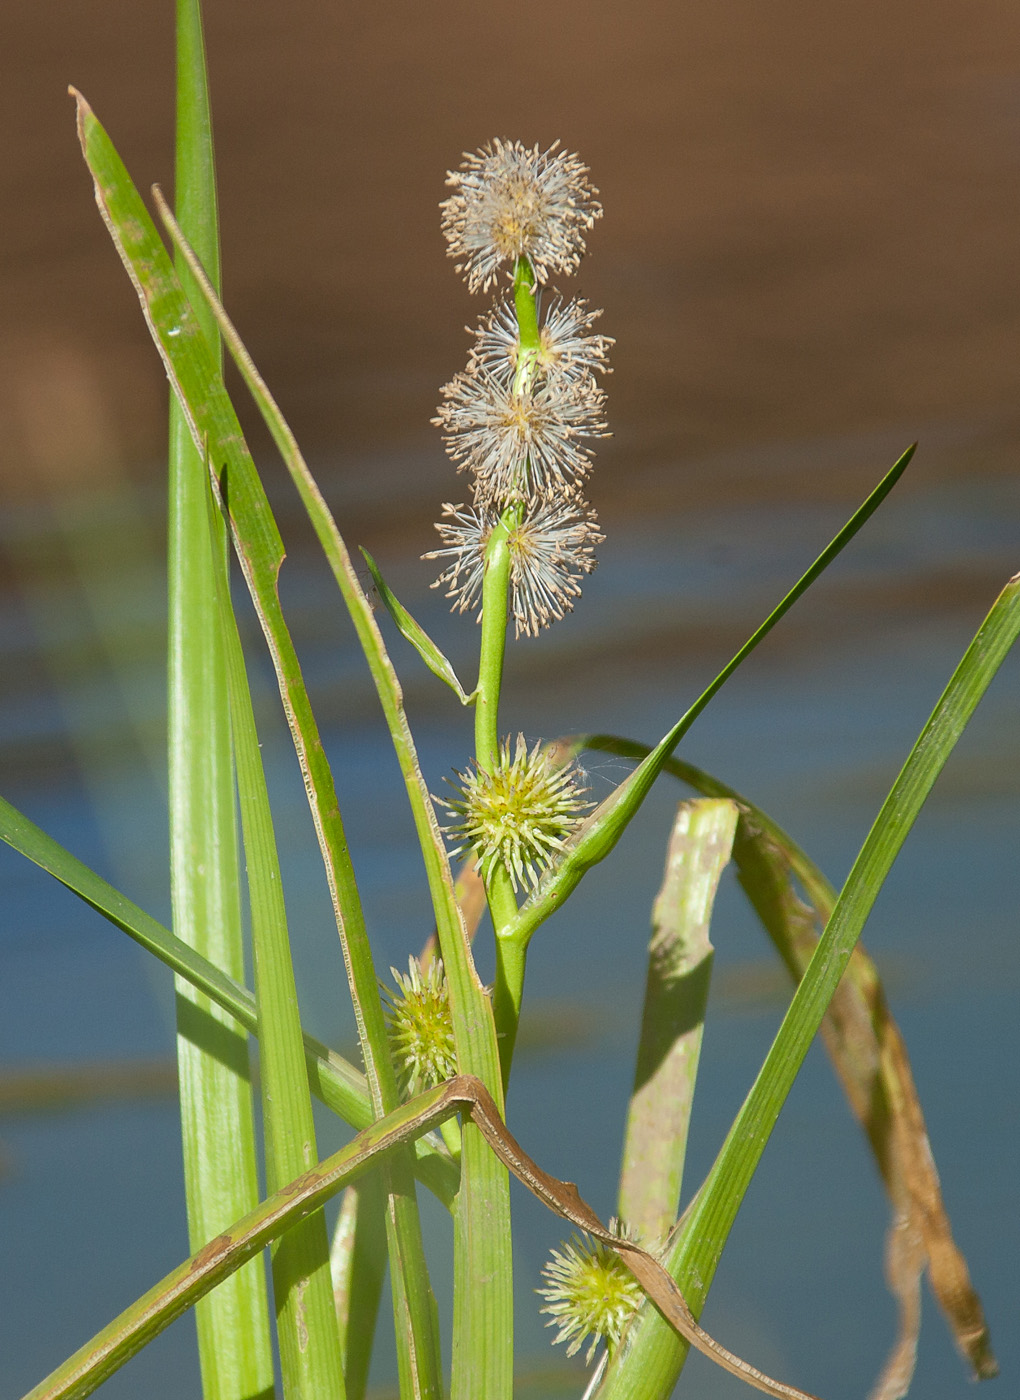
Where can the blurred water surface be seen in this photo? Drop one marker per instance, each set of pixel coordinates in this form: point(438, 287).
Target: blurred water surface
point(808, 260)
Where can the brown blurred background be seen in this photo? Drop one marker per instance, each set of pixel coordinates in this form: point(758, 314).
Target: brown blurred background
point(810, 232)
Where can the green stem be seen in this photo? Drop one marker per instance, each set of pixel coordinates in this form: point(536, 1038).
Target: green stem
point(498, 886)
point(495, 591)
point(526, 308)
point(510, 959)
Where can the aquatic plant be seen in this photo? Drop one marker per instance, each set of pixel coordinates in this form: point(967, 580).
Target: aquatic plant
point(519, 421)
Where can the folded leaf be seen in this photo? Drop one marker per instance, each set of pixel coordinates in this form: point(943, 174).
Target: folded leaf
point(416, 635)
point(676, 994)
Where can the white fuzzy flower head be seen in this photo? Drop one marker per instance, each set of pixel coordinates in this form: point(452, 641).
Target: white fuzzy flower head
point(551, 548)
point(520, 814)
point(511, 202)
point(567, 346)
point(420, 1026)
point(521, 443)
point(589, 1292)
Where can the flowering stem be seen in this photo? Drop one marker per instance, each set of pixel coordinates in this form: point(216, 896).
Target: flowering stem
point(526, 309)
point(496, 585)
point(495, 591)
point(495, 588)
point(498, 887)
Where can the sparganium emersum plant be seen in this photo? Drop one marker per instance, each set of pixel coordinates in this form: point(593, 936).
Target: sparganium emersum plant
point(519, 421)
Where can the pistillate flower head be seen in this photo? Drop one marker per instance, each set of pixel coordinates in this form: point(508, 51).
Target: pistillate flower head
point(521, 443)
point(550, 549)
point(420, 1026)
point(520, 814)
point(512, 202)
point(589, 1292)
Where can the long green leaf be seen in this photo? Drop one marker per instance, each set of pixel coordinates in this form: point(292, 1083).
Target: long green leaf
point(654, 1356)
point(305, 1314)
point(334, 1080)
point(600, 832)
point(605, 826)
point(199, 386)
point(482, 1360)
point(870, 1058)
point(217, 1123)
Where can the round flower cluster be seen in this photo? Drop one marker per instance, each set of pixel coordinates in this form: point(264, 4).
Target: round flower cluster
point(420, 1026)
point(514, 203)
point(589, 1292)
point(520, 814)
point(520, 416)
point(549, 549)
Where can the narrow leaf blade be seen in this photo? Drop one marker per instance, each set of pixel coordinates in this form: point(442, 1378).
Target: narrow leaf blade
point(483, 1320)
point(601, 831)
point(217, 1120)
point(415, 634)
point(305, 1314)
point(654, 1355)
point(333, 1079)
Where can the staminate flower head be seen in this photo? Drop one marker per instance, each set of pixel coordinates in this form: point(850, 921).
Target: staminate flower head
point(420, 1026)
point(512, 202)
point(520, 814)
point(589, 1292)
point(551, 548)
point(525, 443)
point(566, 347)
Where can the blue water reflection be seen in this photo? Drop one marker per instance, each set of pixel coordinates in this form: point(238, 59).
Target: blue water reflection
point(813, 729)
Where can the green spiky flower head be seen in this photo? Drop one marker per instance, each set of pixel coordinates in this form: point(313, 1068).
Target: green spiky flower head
point(521, 813)
point(589, 1292)
point(420, 1026)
